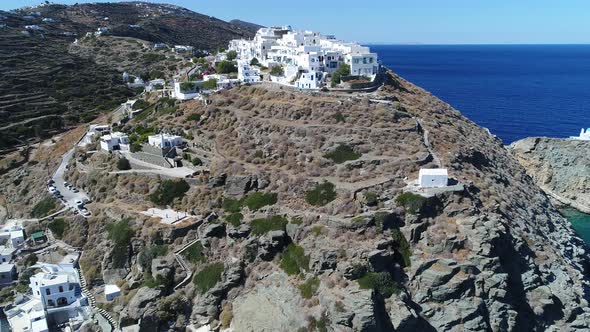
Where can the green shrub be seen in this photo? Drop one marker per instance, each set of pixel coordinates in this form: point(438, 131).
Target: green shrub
point(231, 205)
point(277, 71)
point(342, 153)
point(44, 207)
point(194, 253)
point(254, 62)
point(321, 195)
point(339, 117)
point(343, 70)
point(317, 230)
point(231, 55)
point(255, 201)
point(226, 67)
point(297, 221)
point(58, 227)
point(30, 260)
point(411, 202)
point(187, 87)
point(265, 225)
point(123, 164)
point(194, 117)
point(371, 198)
point(208, 277)
point(196, 161)
point(168, 191)
point(401, 246)
point(120, 233)
point(294, 260)
point(140, 104)
point(147, 254)
point(381, 282)
point(209, 84)
point(309, 287)
point(235, 219)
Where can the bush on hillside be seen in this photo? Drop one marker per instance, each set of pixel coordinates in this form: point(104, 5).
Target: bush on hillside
point(411, 202)
point(168, 191)
point(309, 287)
point(321, 195)
point(277, 71)
point(44, 207)
point(226, 67)
point(265, 225)
point(194, 253)
point(342, 153)
point(294, 260)
point(208, 277)
point(381, 282)
point(58, 227)
point(123, 164)
point(210, 84)
point(231, 55)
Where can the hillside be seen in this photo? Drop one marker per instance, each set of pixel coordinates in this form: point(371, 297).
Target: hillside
point(49, 85)
point(303, 225)
point(560, 167)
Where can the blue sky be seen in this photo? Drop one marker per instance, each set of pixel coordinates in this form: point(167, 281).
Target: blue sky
point(417, 21)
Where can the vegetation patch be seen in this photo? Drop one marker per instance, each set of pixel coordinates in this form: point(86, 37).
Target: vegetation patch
point(120, 233)
point(309, 287)
point(401, 246)
point(381, 282)
point(168, 191)
point(208, 277)
point(254, 201)
point(44, 207)
point(371, 198)
point(58, 227)
point(322, 194)
point(235, 219)
point(145, 257)
point(294, 260)
point(265, 225)
point(123, 164)
point(195, 253)
point(411, 202)
point(342, 153)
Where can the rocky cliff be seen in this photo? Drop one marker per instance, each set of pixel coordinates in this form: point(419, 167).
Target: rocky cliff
point(305, 223)
point(560, 167)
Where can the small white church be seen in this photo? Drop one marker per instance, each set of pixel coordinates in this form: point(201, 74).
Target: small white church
point(584, 135)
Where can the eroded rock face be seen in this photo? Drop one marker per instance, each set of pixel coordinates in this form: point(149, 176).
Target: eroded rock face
point(558, 166)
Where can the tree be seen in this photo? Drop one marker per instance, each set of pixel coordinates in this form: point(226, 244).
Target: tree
point(254, 62)
point(232, 55)
point(123, 164)
point(343, 70)
point(210, 84)
point(226, 67)
point(277, 71)
point(187, 86)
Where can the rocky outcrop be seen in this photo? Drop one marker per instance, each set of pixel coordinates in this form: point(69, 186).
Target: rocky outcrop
point(559, 166)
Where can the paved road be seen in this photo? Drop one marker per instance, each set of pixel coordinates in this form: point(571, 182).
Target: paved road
point(70, 197)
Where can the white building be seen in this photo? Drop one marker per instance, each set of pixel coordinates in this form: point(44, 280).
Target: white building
point(7, 274)
point(584, 135)
point(6, 254)
point(305, 52)
point(182, 48)
point(183, 95)
point(111, 292)
point(433, 178)
point(115, 141)
point(101, 31)
point(247, 73)
point(165, 140)
point(13, 234)
point(56, 298)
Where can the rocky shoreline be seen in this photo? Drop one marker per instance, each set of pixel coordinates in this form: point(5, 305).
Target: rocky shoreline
point(561, 167)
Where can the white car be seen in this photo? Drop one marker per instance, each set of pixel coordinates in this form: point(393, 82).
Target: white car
point(79, 203)
point(52, 189)
point(85, 212)
point(74, 190)
point(66, 184)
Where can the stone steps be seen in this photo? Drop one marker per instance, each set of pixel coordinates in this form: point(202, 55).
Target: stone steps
point(92, 301)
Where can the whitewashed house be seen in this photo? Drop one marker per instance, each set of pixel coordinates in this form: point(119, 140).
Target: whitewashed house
point(247, 73)
point(6, 254)
point(179, 94)
point(165, 141)
point(182, 48)
point(7, 274)
point(111, 292)
point(13, 234)
point(309, 80)
point(115, 141)
point(433, 178)
point(56, 298)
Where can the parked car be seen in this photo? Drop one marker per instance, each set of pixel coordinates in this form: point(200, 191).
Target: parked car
point(52, 189)
point(75, 190)
point(50, 182)
point(66, 184)
point(85, 212)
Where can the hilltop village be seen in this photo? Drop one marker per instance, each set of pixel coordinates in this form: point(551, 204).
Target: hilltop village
point(286, 181)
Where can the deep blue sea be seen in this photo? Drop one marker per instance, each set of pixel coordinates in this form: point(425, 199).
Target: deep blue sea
point(516, 91)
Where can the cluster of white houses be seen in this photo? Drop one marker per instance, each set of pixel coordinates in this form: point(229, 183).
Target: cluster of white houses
point(306, 56)
point(12, 236)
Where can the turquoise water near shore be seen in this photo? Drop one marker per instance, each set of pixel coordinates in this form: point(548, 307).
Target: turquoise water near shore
point(580, 221)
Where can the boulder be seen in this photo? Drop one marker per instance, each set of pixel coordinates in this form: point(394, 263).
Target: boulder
point(144, 296)
point(381, 260)
point(217, 181)
point(323, 260)
point(163, 267)
point(271, 243)
point(212, 230)
point(238, 185)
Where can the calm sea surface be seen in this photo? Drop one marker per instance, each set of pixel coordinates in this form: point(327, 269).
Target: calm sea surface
point(516, 91)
